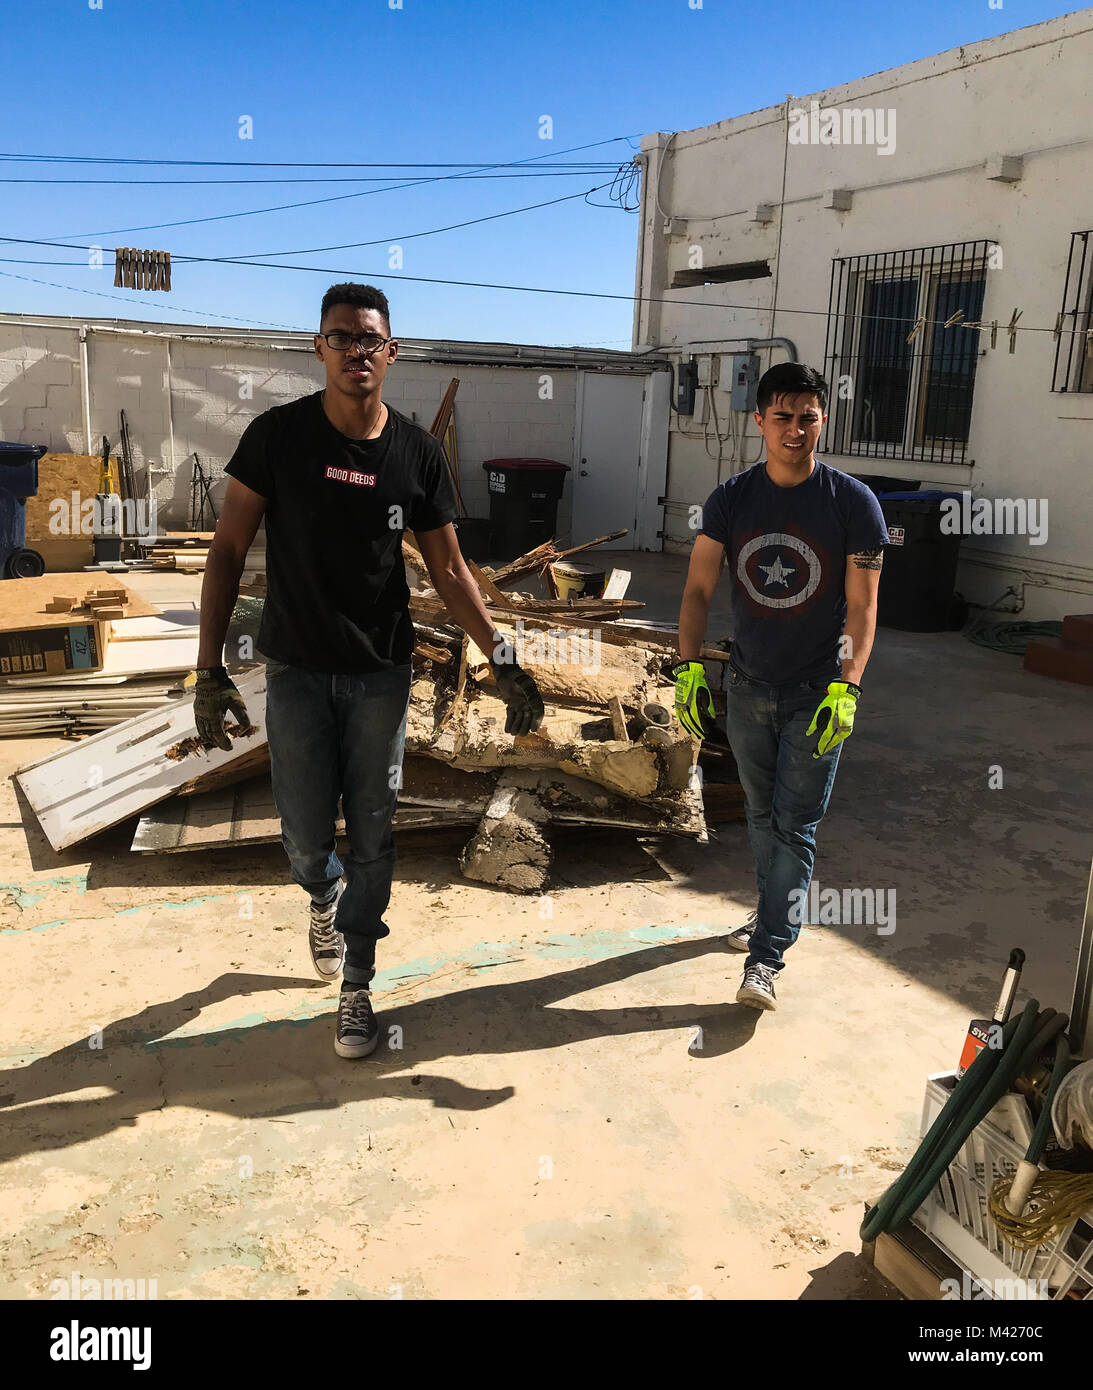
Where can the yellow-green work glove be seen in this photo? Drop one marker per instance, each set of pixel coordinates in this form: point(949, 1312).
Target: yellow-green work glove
point(694, 699)
point(835, 716)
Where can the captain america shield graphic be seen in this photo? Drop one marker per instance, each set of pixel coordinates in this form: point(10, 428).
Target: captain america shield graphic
point(777, 570)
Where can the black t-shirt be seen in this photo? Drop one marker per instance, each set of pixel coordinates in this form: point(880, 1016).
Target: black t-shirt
point(336, 509)
point(786, 550)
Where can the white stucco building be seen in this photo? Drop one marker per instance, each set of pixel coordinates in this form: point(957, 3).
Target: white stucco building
point(837, 222)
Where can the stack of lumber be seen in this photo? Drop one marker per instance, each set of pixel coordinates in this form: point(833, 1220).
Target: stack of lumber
point(178, 550)
point(609, 751)
point(145, 663)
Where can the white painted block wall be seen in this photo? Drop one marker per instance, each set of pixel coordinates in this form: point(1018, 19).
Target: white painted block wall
point(1023, 93)
point(216, 389)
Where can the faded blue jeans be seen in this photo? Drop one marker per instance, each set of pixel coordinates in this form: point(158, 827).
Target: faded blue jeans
point(334, 736)
point(786, 792)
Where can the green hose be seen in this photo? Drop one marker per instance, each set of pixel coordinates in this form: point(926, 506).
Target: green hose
point(976, 1093)
point(1038, 1143)
point(1011, 638)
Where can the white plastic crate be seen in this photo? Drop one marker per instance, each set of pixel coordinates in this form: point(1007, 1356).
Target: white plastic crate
point(955, 1214)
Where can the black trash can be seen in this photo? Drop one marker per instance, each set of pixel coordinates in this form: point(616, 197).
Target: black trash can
point(524, 497)
point(920, 559)
point(18, 481)
point(473, 533)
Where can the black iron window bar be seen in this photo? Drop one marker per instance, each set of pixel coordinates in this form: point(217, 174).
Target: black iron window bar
point(1073, 370)
point(899, 361)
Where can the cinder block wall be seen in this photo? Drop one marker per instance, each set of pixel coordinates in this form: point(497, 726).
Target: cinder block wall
point(216, 390)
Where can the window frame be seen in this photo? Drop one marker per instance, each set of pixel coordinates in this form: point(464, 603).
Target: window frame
point(930, 268)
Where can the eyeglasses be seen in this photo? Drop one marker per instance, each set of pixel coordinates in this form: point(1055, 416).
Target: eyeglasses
point(367, 342)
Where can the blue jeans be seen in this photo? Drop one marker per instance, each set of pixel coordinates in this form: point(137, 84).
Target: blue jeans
point(786, 792)
point(334, 736)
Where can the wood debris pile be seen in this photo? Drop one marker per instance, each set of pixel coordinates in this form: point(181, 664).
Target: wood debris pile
point(609, 751)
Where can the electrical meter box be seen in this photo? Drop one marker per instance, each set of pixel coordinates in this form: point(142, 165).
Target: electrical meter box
point(686, 387)
point(744, 380)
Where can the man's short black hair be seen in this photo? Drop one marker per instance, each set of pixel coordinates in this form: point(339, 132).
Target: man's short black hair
point(357, 297)
point(789, 379)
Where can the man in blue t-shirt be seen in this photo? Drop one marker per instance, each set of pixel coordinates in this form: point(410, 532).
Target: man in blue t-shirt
point(803, 545)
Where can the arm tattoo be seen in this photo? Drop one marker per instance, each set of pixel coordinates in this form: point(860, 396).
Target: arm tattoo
point(869, 559)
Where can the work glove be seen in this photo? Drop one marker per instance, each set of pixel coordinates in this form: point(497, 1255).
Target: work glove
point(214, 694)
point(694, 699)
point(521, 696)
point(835, 716)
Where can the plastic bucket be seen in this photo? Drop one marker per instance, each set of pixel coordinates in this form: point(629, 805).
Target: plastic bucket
point(578, 581)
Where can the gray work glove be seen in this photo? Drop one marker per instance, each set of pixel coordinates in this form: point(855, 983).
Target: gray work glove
point(214, 695)
point(521, 696)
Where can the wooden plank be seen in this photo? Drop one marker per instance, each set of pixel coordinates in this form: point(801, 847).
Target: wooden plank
point(80, 791)
point(912, 1263)
point(433, 794)
point(618, 581)
point(618, 719)
point(486, 584)
point(129, 629)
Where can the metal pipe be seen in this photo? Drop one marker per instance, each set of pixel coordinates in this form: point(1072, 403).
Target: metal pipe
point(750, 344)
point(1083, 979)
point(170, 415)
point(85, 389)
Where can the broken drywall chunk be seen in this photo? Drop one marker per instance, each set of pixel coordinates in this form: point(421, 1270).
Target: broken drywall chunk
point(508, 848)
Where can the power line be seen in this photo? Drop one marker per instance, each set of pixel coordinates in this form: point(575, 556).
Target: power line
point(297, 164)
point(415, 183)
point(103, 294)
point(551, 173)
point(376, 276)
point(344, 246)
point(434, 231)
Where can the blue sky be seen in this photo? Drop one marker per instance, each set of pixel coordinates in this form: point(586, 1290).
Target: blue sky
point(434, 81)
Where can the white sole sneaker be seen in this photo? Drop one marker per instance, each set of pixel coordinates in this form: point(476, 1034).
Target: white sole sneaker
point(739, 939)
point(755, 999)
point(756, 993)
point(356, 1032)
point(326, 945)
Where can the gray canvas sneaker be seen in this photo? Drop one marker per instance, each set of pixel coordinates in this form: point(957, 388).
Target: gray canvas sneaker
point(326, 943)
point(739, 939)
point(757, 989)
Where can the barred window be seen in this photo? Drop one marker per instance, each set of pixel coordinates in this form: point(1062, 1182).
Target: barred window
point(1074, 346)
point(897, 399)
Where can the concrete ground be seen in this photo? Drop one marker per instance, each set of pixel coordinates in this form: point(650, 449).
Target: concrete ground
point(565, 1103)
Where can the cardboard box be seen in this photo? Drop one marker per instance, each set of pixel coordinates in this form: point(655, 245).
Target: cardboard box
point(37, 641)
point(53, 651)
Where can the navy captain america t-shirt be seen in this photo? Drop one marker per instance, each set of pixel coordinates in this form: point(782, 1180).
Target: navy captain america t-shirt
point(786, 550)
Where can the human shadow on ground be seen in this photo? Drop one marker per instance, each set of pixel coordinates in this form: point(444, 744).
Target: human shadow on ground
point(283, 1067)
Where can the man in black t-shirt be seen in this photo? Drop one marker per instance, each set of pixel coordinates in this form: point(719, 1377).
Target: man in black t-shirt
point(338, 477)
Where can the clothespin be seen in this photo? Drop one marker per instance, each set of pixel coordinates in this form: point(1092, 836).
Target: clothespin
point(135, 269)
point(916, 330)
point(994, 333)
point(1089, 342)
point(1011, 329)
point(955, 318)
point(1058, 326)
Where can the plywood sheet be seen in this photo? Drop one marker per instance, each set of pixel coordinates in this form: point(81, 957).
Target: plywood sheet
point(81, 791)
point(23, 601)
point(60, 475)
point(245, 814)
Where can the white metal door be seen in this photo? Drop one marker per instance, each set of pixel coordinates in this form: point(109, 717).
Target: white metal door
point(607, 461)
